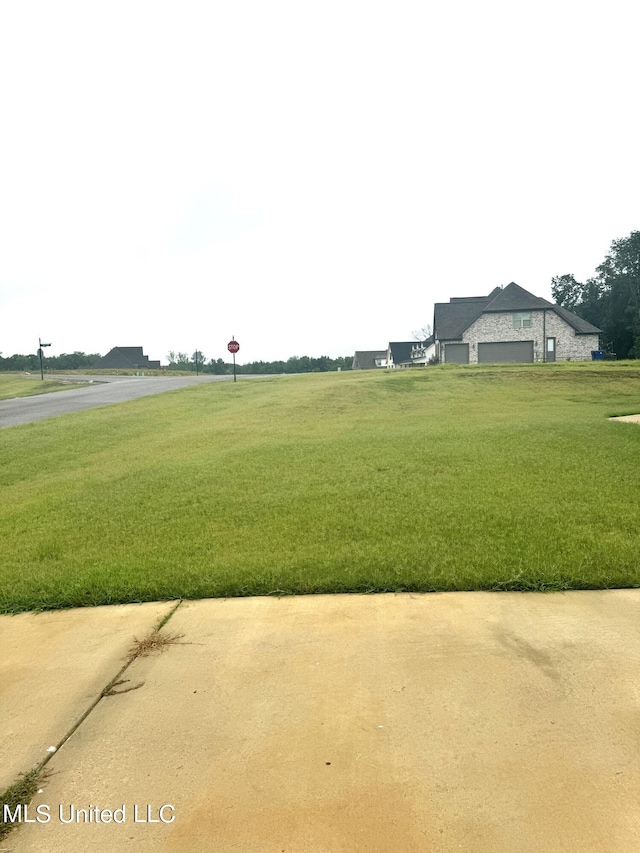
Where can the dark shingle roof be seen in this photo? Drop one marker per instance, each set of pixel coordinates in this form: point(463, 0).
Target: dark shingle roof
point(582, 327)
point(366, 359)
point(516, 298)
point(125, 357)
point(452, 318)
point(469, 298)
point(401, 351)
point(134, 353)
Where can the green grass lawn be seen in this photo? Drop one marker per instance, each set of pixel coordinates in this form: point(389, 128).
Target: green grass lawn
point(20, 385)
point(443, 478)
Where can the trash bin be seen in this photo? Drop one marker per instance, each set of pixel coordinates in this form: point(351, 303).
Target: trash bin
point(597, 355)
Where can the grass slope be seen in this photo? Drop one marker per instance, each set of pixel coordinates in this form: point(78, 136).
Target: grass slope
point(19, 385)
point(437, 479)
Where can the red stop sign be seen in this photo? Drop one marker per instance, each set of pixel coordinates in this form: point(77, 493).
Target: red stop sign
point(233, 346)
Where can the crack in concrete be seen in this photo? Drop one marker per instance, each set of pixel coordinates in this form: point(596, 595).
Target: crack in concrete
point(153, 642)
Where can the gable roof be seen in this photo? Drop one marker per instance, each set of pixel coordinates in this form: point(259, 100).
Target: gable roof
point(451, 319)
point(366, 359)
point(582, 327)
point(401, 351)
point(516, 298)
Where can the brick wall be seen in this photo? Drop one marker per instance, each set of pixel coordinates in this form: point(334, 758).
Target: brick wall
point(490, 328)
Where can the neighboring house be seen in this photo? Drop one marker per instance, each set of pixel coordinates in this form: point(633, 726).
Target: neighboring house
point(510, 324)
point(369, 359)
point(410, 353)
point(126, 358)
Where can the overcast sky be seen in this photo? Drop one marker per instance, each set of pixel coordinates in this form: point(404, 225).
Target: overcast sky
point(307, 176)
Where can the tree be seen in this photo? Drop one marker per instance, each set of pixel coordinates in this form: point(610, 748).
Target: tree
point(218, 366)
point(619, 276)
point(422, 333)
point(198, 359)
point(72, 361)
point(20, 362)
point(566, 291)
point(178, 360)
point(611, 299)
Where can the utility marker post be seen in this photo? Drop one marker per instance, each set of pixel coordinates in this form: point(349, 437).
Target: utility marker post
point(233, 346)
point(40, 345)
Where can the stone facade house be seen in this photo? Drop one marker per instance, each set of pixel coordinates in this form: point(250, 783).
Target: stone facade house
point(510, 325)
point(126, 358)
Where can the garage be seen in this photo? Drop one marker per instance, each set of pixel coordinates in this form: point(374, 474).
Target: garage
point(456, 354)
point(518, 351)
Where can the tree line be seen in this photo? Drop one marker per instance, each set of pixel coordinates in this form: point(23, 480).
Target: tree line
point(610, 299)
point(295, 364)
point(181, 361)
point(65, 361)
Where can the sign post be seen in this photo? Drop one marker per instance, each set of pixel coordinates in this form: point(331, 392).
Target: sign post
point(40, 345)
point(233, 346)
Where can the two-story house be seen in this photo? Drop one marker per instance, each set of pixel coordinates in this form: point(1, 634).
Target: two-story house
point(510, 324)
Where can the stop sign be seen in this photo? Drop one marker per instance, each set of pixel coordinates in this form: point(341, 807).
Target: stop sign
point(233, 346)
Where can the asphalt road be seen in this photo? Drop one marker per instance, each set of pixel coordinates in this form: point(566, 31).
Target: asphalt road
point(102, 391)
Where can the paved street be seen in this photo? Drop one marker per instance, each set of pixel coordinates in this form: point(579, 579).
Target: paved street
point(103, 391)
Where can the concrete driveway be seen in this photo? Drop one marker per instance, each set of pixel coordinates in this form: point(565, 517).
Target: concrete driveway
point(99, 391)
point(482, 722)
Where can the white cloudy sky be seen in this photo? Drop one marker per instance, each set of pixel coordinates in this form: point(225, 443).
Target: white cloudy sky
point(308, 176)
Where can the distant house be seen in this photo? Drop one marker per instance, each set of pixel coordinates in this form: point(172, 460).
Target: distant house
point(510, 325)
point(369, 359)
point(410, 353)
point(126, 358)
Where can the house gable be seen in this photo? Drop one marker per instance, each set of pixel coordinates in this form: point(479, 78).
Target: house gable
point(400, 352)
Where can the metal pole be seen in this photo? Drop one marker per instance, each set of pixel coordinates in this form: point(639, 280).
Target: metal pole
point(196, 362)
point(233, 337)
point(40, 347)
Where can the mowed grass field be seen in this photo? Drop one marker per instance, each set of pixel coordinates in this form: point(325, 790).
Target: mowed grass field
point(443, 478)
point(20, 385)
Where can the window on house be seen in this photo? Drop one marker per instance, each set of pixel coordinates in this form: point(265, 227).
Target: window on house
point(522, 320)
